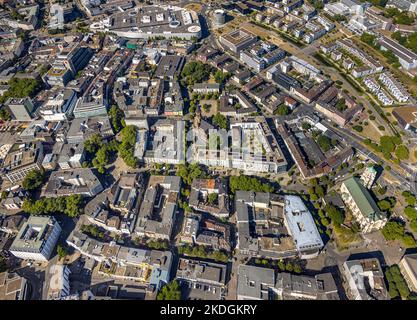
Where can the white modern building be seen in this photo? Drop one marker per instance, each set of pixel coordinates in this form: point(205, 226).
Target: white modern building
point(394, 87)
point(406, 57)
point(301, 225)
point(58, 106)
point(344, 7)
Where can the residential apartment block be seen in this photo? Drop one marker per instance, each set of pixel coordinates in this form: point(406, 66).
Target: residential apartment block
point(21, 159)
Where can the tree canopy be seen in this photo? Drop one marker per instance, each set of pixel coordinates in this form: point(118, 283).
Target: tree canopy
point(203, 253)
point(21, 88)
point(220, 120)
point(402, 152)
point(127, 146)
point(33, 180)
point(324, 142)
point(190, 172)
point(117, 118)
point(92, 231)
point(335, 215)
point(410, 212)
point(99, 153)
point(396, 283)
point(170, 291)
point(395, 230)
point(283, 110)
point(220, 77)
point(62, 251)
point(71, 205)
point(195, 72)
point(5, 114)
point(368, 38)
point(247, 183)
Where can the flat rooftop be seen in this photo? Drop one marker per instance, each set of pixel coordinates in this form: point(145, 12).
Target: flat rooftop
point(155, 19)
point(301, 224)
point(238, 36)
point(33, 234)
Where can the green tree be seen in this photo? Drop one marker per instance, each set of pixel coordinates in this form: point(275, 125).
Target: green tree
point(220, 120)
point(117, 118)
point(212, 198)
point(127, 146)
point(33, 180)
point(393, 230)
point(170, 291)
point(220, 77)
point(93, 144)
point(408, 240)
point(306, 126)
point(62, 251)
point(413, 225)
point(190, 172)
point(21, 88)
point(101, 159)
point(411, 200)
point(396, 282)
point(399, 37)
point(247, 183)
point(393, 292)
point(324, 142)
point(281, 265)
point(319, 190)
point(402, 152)
point(195, 72)
point(336, 216)
point(368, 39)
point(92, 231)
point(314, 197)
point(73, 205)
point(70, 205)
point(283, 110)
point(5, 114)
point(410, 212)
point(384, 205)
point(403, 18)
point(357, 128)
point(158, 244)
point(297, 268)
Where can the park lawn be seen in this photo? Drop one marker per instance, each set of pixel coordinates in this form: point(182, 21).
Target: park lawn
point(370, 131)
point(345, 237)
point(213, 108)
point(259, 31)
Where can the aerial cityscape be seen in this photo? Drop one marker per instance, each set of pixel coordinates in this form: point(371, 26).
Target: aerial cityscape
point(208, 150)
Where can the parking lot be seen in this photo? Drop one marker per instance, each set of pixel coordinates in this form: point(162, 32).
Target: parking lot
point(199, 291)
